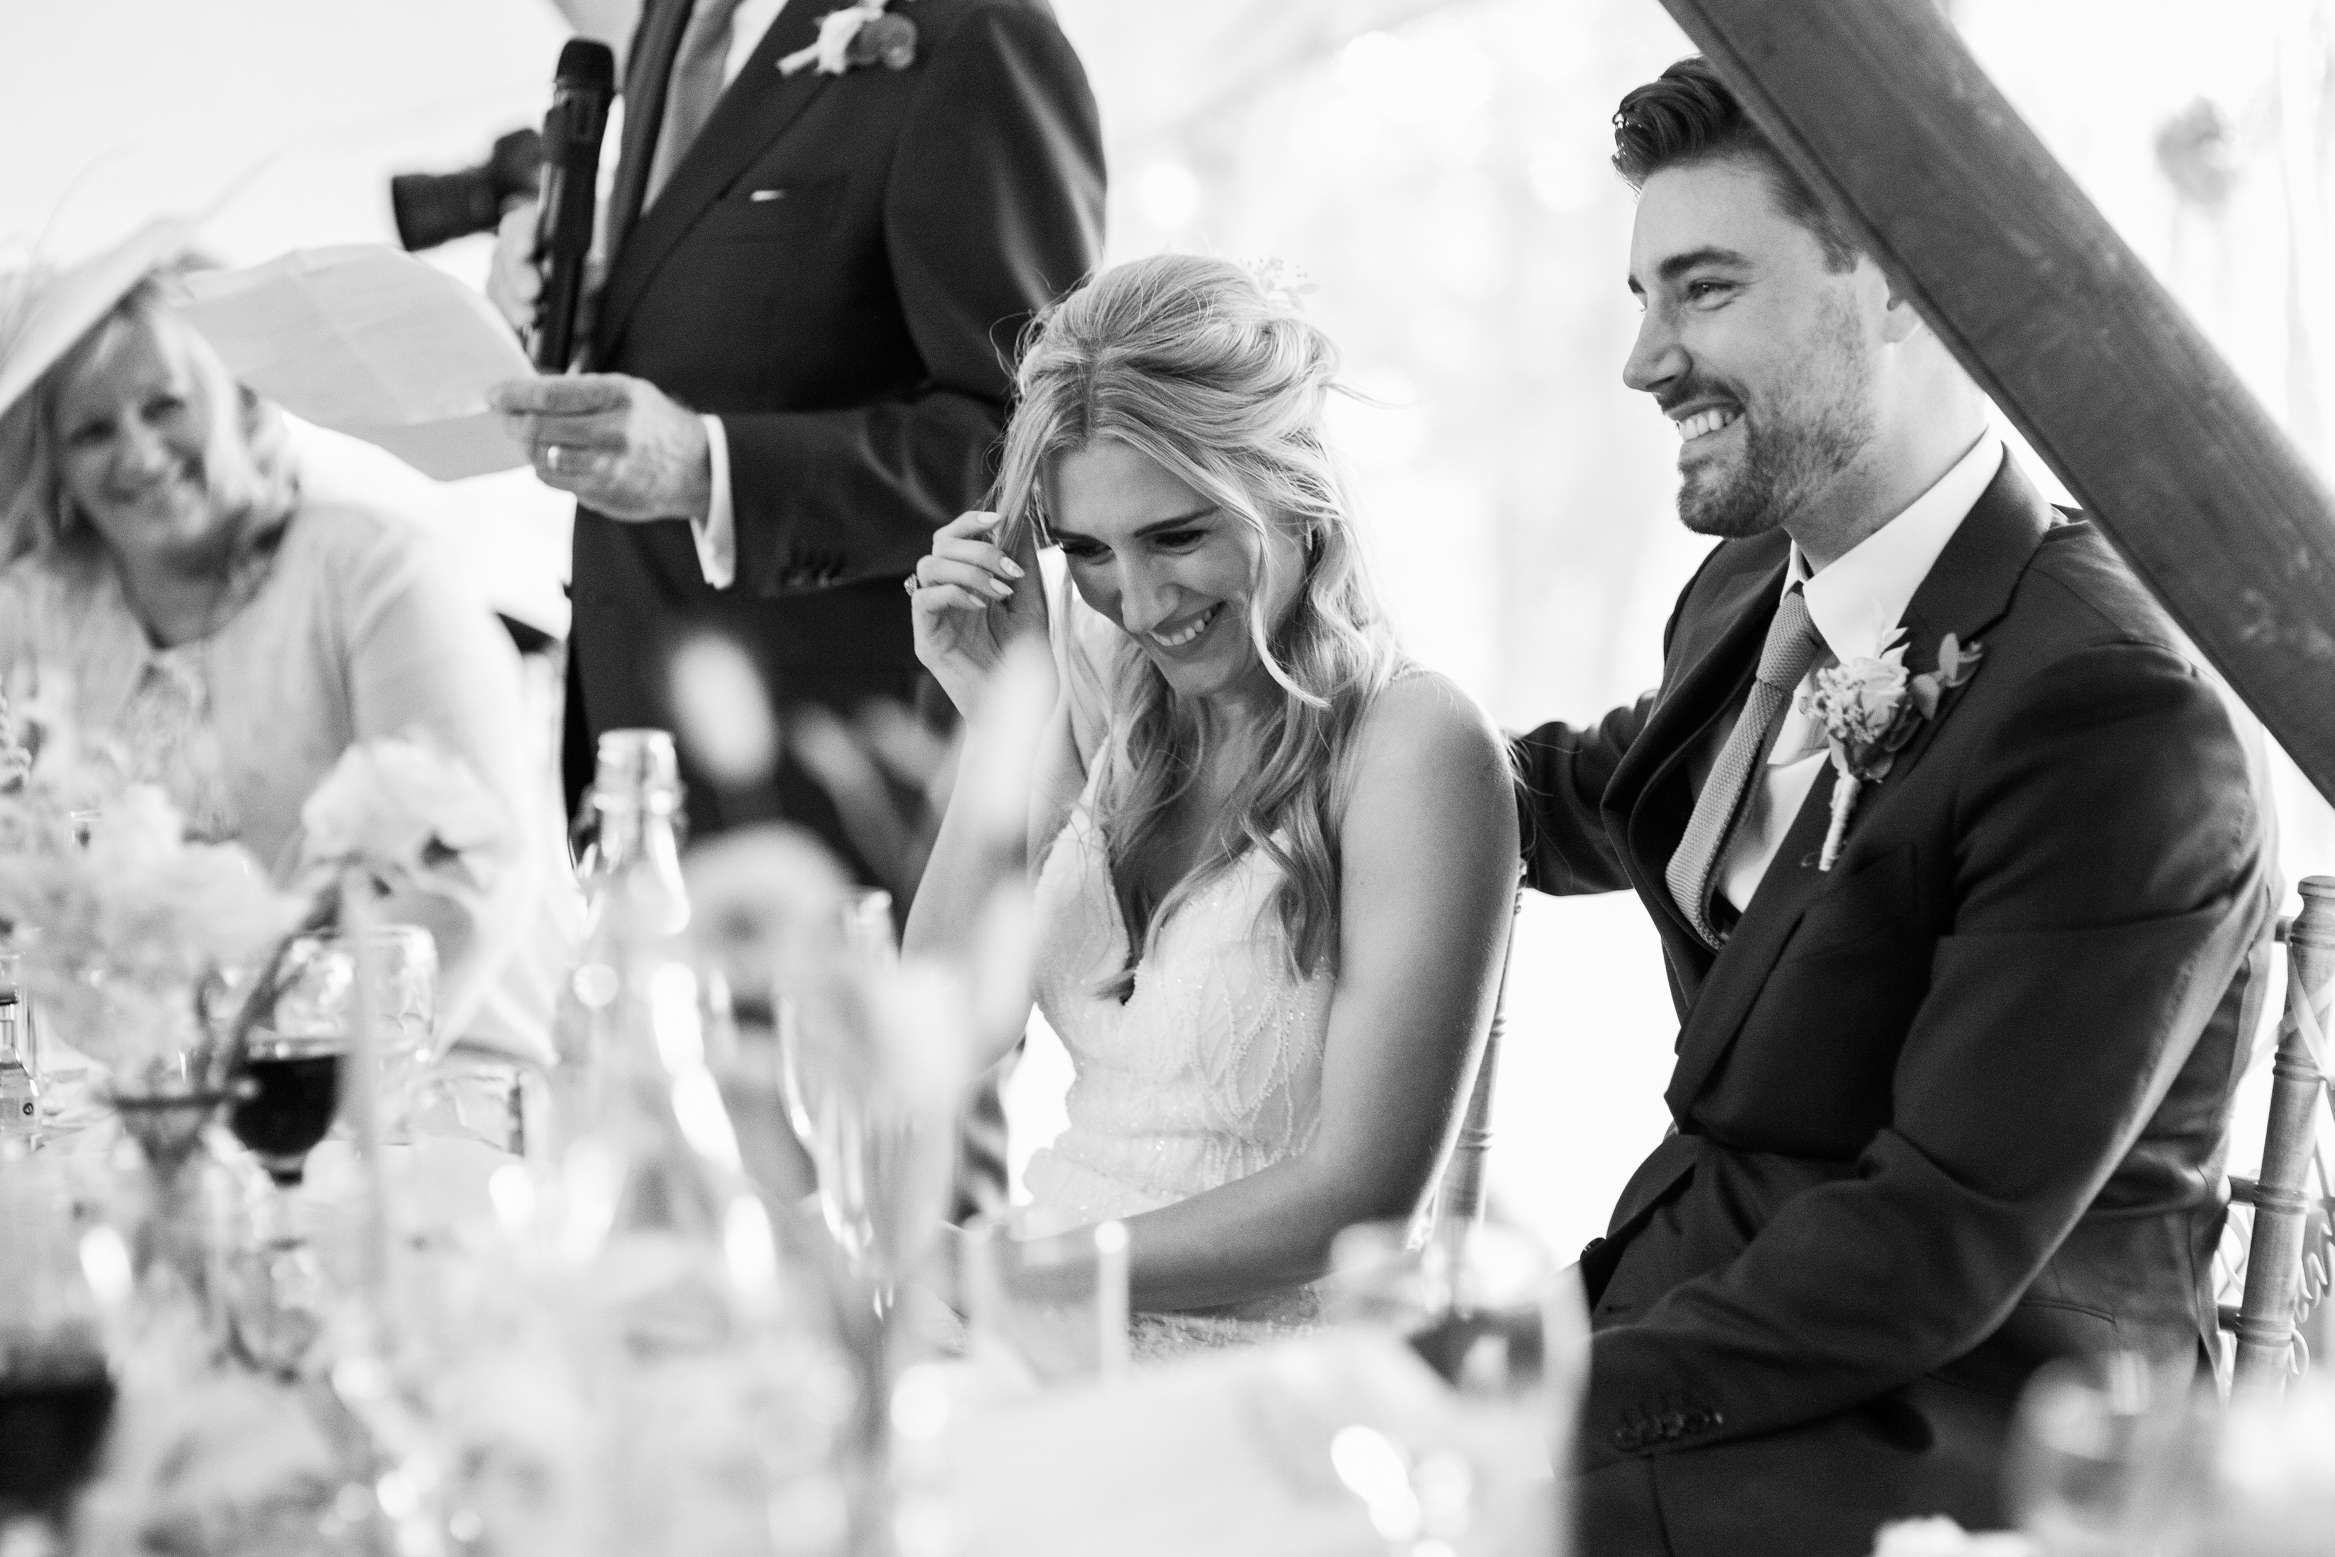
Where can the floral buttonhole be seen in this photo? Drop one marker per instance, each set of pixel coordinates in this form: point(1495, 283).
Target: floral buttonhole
point(861, 34)
point(1870, 708)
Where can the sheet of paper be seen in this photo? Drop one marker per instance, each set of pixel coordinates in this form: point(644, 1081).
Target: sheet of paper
point(370, 342)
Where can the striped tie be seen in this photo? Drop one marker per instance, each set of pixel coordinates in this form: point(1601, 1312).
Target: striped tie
point(696, 86)
point(1792, 646)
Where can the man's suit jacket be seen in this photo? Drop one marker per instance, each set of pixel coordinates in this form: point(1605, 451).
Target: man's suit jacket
point(1947, 1111)
point(839, 268)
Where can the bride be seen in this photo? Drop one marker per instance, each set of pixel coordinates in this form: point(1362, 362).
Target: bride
point(1275, 861)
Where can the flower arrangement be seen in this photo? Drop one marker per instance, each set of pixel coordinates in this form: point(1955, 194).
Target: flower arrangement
point(394, 814)
point(1870, 708)
point(401, 812)
point(864, 33)
point(122, 932)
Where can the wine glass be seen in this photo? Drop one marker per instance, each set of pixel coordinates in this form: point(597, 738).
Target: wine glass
point(1485, 1308)
point(869, 1153)
point(2102, 1456)
point(56, 1391)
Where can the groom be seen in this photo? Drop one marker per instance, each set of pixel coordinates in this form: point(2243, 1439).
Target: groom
point(1952, 1082)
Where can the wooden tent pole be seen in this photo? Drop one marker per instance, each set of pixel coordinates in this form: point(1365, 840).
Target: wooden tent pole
point(1879, 104)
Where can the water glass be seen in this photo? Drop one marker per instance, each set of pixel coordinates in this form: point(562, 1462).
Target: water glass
point(1056, 1302)
point(2102, 1450)
point(1487, 1309)
point(319, 1002)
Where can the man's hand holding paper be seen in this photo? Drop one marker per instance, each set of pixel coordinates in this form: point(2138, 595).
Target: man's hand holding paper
point(620, 444)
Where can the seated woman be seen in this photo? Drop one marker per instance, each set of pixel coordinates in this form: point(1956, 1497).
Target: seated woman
point(1275, 860)
point(229, 637)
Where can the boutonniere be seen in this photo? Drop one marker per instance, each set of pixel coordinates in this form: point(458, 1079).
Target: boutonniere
point(863, 33)
point(1870, 708)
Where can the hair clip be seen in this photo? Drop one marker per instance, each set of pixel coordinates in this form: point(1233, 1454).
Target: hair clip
point(1282, 281)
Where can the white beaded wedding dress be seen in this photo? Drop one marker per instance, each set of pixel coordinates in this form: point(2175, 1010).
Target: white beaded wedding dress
point(1210, 1071)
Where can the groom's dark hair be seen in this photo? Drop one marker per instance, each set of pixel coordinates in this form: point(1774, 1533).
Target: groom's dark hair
point(1687, 115)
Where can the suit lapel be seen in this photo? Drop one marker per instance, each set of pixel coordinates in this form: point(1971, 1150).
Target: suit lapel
point(1967, 590)
point(648, 71)
point(750, 114)
point(1648, 797)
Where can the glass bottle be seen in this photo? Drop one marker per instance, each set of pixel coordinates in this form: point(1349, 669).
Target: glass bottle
point(634, 899)
point(20, 1085)
point(713, 1377)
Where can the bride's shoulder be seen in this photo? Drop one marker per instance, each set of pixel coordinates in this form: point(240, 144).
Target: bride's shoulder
point(1430, 787)
point(1422, 730)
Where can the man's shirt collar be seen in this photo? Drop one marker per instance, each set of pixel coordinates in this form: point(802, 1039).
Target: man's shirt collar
point(1858, 601)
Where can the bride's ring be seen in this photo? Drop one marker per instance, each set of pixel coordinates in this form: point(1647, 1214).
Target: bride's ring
point(912, 583)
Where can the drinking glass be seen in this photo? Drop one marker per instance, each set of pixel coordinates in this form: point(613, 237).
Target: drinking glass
point(2099, 1451)
point(56, 1391)
point(875, 1157)
point(1485, 1308)
point(1055, 1301)
point(319, 1004)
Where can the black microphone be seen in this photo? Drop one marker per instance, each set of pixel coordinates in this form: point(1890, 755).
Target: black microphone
point(580, 94)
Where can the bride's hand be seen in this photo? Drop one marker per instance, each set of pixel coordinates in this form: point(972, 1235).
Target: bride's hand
point(970, 602)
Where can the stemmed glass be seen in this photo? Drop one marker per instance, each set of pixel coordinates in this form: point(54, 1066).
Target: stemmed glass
point(56, 1391)
point(883, 1161)
point(289, 1093)
point(871, 1054)
point(1486, 1309)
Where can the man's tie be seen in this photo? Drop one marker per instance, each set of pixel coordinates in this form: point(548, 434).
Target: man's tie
point(1792, 646)
point(695, 87)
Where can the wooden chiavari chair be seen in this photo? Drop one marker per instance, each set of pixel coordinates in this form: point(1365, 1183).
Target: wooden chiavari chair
point(2280, 1246)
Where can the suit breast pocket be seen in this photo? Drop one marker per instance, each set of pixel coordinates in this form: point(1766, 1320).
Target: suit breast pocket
point(758, 209)
point(1873, 903)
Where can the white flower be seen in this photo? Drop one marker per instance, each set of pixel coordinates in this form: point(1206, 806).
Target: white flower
point(406, 811)
point(1858, 701)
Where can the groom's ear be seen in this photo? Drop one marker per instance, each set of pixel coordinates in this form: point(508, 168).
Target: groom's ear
point(1901, 321)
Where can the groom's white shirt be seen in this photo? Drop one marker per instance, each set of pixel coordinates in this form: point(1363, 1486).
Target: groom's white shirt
point(1855, 605)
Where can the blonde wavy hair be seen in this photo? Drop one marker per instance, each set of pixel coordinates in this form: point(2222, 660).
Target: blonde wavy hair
point(247, 462)
point(1209, 369)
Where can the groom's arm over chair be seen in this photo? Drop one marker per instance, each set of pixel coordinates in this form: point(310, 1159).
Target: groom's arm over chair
point(1561, 774)
point(2105, 890)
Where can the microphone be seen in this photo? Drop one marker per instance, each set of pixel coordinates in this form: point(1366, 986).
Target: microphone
point(580, 94)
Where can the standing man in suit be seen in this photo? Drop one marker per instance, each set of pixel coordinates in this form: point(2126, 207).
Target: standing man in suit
point(800, 357)
point(1952, 1087)
point(801, 352)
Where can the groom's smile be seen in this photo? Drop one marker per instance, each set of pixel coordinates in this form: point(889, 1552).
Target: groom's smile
point(1752, 345)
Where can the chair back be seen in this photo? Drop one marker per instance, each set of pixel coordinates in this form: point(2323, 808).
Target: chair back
point(2289, 1244)
point(1455, 1198)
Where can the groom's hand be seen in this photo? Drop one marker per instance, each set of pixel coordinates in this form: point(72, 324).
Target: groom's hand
point(620, 444)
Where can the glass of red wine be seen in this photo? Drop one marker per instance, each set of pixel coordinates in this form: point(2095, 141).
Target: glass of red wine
point(56, 1390)
point(286, 1099)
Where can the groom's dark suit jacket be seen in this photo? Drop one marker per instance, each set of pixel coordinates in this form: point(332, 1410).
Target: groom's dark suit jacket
point(1950, 1110)
point(838, 268)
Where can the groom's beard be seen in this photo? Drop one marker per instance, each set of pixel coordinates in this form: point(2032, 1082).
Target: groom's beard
point(1793, 445)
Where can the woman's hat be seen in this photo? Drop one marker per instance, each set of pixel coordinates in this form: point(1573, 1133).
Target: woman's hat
point(43, 311)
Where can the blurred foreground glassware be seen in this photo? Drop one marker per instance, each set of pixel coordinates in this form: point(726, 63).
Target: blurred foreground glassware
point(2270, 1489)
point(314, 1024)
point(20, 1087)
point(1055, 1301)
point(881, 1135)
point(2103, 1459)
point(56, 1388)
point(634, 899)
point(165, 1098)
point(1487, 1310)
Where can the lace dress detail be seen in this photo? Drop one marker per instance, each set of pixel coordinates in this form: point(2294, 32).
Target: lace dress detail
point(166, 735)
point(1209, 1072)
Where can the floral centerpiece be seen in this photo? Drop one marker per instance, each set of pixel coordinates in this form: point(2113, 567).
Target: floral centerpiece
point(128, 929)
point(394, 815)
